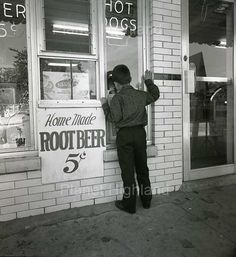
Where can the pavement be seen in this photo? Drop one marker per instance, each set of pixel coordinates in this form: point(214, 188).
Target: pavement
point(180, 224)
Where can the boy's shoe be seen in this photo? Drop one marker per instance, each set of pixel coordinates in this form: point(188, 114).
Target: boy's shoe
point(120, 205)
point(146, 205)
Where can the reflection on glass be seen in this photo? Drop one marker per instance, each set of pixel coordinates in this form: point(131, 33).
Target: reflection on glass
point(67, 25)
point(14, 93)
point(211, 106)
point(67, 79)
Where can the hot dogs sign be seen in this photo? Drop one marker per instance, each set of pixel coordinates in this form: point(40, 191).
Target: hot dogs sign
point(71, 143)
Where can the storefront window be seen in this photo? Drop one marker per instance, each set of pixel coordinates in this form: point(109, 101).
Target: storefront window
point(67, 25)
point(14, 88)
point(67, 79)
point(125, 35)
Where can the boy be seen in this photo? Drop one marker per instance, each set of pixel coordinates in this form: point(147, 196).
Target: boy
point(127, 111)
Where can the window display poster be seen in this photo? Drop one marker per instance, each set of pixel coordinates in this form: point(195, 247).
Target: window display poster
point(59, 86)
point(71, 143)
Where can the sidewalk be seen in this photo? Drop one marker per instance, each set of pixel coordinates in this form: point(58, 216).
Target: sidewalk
point(182, 224)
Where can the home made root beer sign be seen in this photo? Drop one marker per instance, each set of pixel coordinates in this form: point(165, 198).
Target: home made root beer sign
point(71, 143)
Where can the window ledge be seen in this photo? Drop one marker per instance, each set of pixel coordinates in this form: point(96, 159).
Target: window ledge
point(19, 164)
point(110, 155)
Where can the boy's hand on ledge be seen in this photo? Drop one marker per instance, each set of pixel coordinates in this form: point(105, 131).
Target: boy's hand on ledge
point(147, 75)
point(103, 100)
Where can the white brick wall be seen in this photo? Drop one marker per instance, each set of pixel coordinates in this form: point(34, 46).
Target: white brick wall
point(23, 195)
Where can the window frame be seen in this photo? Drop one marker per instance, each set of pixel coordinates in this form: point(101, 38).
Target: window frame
point(144, 13)
point(93, 56)
point(30, 46)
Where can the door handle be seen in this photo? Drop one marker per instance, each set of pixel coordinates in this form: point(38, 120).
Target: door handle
point(190, 81)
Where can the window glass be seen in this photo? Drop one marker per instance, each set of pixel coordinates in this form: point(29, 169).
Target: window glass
point(14, 92)
point(67, 25)
point(124, 35)
point(67, 79)
point(123, 38)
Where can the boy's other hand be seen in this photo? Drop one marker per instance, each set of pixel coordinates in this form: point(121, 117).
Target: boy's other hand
point(147, 75)
point(103, 100)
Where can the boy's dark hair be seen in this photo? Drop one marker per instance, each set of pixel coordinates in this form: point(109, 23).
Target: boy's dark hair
point(121, 74)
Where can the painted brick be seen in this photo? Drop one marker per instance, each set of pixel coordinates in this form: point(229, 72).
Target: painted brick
point(162, 38)
point(158, 57)
point(6, 186)
point(29, 213)
point(178, 176)
point(172, 58)
point(7, 217)
point(109, 179)
point(176, 27)
point(34, 174)
point(12, 177)
point(173, 121)
point(176, 1)
point(43, 203)
point(158, 185)
point(6, 202)
point(157, 17)
point(14, 208)
point(92, 195)
point(57, 208)
point(165, 152)
point(164, 178)
point(28, 198)
point(155, 160)
point(161, 51)
point(166, 6)
point(176, 64)
point(173, 145)
point(178, 163)
point(109, 172)
point(158, 70)
point(28, 183)
point(173, 170)
point(111, 165)
point(102, 187)
point(173, 158)
point(172, 45)
point(176, 40)
point(159, 121)
point(170, 32)
point(165, 140)
point(105, 200)
point(68, 199)
point(176, 14)
point(162, 11)
point(173, 133)
point(68, 185)
point(172, 19)
point(92, 181)
point(154, 173)
point(81, 190)
point(162, 64)
point(163, 127)
point(174, 182)
point(164, 165)
point(55, 194)
point(164, 25)
point(82, 203)
point(41, 189)
point(12, 193)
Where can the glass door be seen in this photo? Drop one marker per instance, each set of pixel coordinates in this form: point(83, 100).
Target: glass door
point(209, 88)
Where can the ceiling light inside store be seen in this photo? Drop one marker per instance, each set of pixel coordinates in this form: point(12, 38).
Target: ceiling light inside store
point(60, 64)
point(71, 29)
point(114, 33)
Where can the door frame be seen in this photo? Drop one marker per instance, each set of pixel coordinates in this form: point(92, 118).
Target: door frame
point(214, 171)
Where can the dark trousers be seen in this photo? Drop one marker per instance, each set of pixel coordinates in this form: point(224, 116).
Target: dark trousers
point(132, 155)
